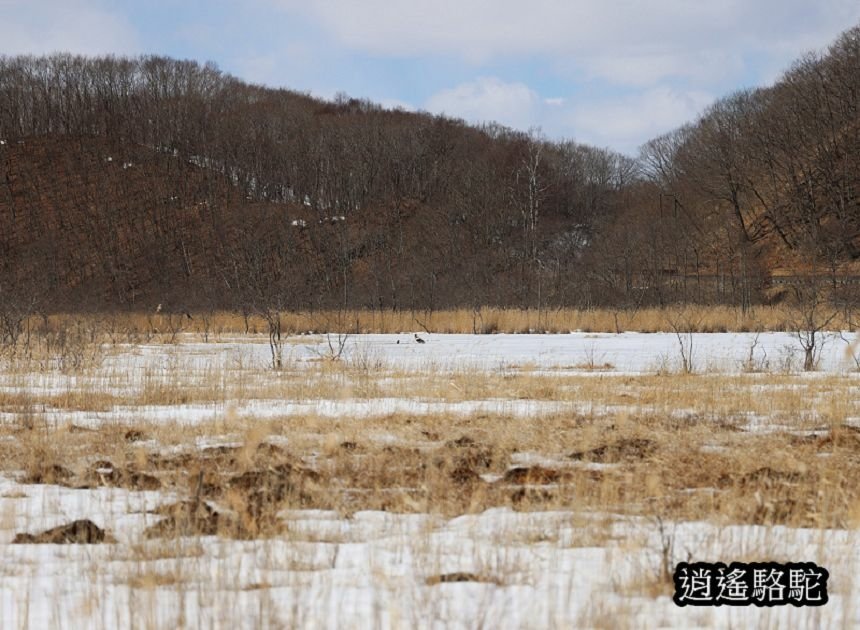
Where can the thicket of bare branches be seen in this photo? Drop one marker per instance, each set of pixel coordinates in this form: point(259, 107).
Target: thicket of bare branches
point(134, 182)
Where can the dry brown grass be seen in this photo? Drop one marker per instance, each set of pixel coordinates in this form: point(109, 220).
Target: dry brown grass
point(636, 456)
point(137, 327)
point(766, 449)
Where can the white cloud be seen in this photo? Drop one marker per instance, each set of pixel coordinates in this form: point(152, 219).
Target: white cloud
point(77, 26)
point(293, 60)
point(257, 68)
point(627, 122)
point(701, 67)
point(634, 42)
point(488, 99)
point(622, 123)
point(608, 72)
point(487, 28)
point(565, 62)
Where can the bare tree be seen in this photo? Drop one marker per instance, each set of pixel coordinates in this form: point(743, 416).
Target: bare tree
point(812, 312)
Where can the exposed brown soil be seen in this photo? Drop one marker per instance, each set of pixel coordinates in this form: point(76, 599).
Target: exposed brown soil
point(49, 474)
point(765, 477)
point(532, 475)
point(459, 576)
point(190, 518)
point(622, 450)
point(104, 473)
point(462, 441)
point(463, 473)
point(81, 532)
point(133, 435)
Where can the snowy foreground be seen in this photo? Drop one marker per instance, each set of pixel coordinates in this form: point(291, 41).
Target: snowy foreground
point(498, 568)
point(533, 570)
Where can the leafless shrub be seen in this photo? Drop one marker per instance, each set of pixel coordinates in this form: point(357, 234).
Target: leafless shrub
point(70, 348)
point(811, 314)
point(756, 362)
point(684, 321)
point(17, 307)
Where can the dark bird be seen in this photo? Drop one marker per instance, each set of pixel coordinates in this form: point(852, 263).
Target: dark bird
point(419, 339)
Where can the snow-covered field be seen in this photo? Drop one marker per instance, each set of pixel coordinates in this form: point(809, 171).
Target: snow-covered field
point(629, 352)
point(526, 570)
point(584, 557)
point(130, 369)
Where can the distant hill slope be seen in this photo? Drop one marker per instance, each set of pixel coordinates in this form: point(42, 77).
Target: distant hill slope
point(127, 183)
point(89, 224)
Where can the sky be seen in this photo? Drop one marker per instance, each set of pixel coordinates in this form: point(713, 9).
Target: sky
point(613, 73)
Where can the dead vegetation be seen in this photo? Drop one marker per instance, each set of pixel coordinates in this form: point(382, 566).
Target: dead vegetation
point(460, 576)
point(752, 448)
point(684, 469)
point(80, 532)
point(67, 338)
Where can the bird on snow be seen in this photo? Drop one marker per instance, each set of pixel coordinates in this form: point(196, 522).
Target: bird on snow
point(419, 339)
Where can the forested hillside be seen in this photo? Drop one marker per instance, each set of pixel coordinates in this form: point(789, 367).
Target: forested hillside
point(126, 183)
